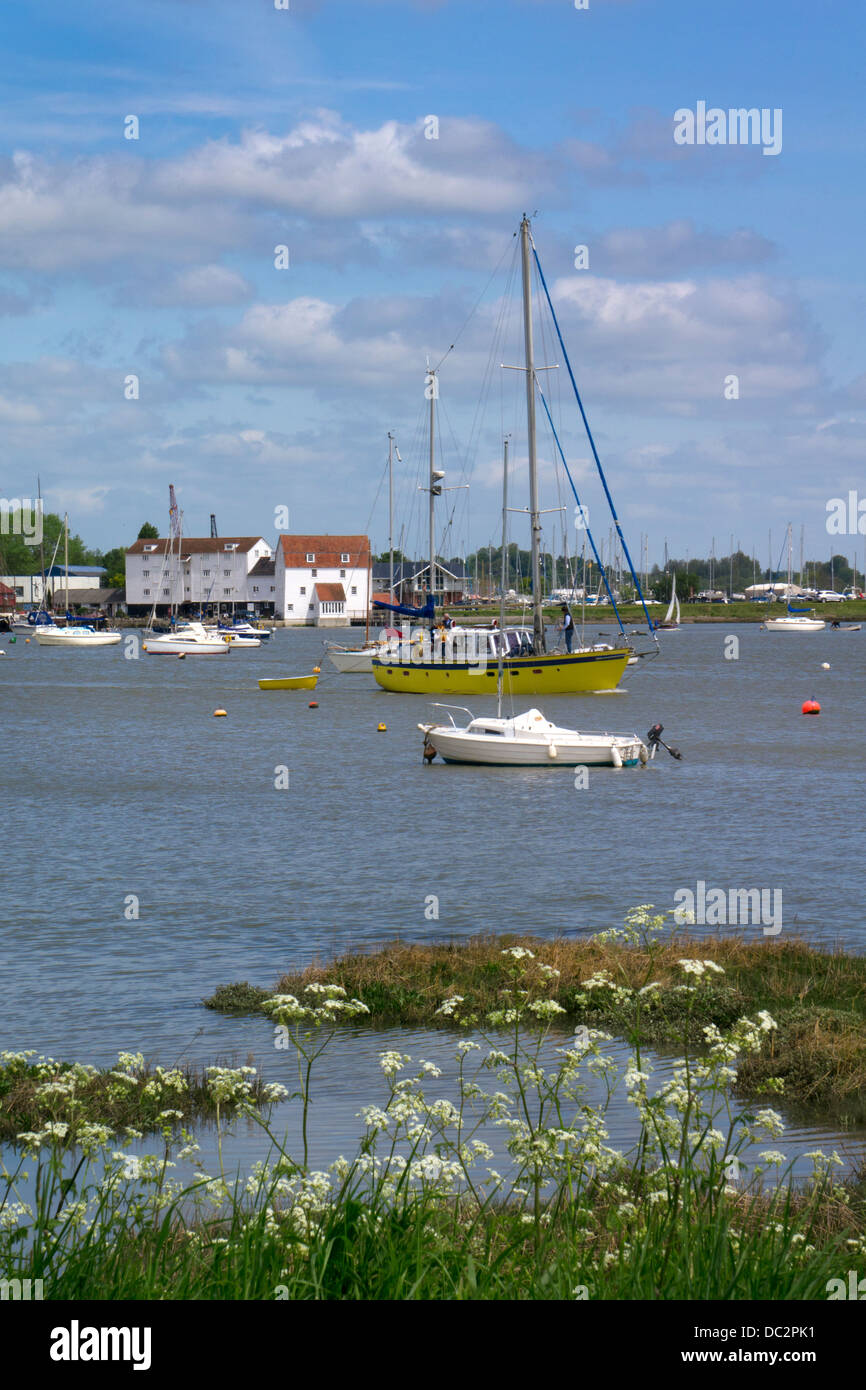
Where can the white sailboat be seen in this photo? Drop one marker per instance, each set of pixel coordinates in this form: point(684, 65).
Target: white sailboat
point(796, 619)
point(52, 635)
point(671, 619)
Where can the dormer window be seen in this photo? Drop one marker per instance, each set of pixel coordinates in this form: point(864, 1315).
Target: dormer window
point(311, 559)
point(344, 558)
point(233, 545)
point(148, 548)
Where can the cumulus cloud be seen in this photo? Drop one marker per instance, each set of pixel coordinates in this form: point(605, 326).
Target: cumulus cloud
point(127, 210)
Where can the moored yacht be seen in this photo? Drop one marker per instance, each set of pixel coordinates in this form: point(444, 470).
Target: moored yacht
point(48, 635)
point(529, 740)
point(187, 639)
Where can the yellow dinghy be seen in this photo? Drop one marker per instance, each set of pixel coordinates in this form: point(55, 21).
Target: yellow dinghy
point(289, 683)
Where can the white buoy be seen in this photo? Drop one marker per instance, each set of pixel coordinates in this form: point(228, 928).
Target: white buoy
point(615, 756)
point(825, 666)
point(551, 751)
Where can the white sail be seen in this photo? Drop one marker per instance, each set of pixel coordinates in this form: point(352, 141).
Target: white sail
point(673, 613)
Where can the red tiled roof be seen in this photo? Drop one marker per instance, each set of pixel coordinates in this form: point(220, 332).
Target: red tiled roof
point(194, 545)
point(328, 551)
point(330, 593)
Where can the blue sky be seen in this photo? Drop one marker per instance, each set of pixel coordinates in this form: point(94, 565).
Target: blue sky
point(261, 388)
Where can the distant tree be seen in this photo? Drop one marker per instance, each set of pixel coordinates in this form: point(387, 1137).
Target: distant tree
point(22, 558)
point(148, 532)
point(386, 555)
point(115, 562)
point(688, 584)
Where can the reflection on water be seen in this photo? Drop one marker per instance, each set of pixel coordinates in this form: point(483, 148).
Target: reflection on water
point(118, 781)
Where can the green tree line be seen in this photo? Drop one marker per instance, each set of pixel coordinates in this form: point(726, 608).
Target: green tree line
point(19, 557)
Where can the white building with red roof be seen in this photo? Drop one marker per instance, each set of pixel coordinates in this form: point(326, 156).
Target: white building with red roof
point(322, 581)
point(208, 570)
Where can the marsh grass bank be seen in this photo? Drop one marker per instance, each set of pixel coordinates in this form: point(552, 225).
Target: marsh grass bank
point(420, 1212)
point(694, 1209)
point(817, 997)
point(74, 1098)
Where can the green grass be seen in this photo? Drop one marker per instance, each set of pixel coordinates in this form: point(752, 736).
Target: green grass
point(706, 1246)
point(817, 997)
point(33, 1094)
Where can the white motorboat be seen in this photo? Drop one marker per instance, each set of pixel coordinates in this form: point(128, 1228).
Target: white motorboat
point(529, 740)
point(187, 639)
point(241, 628)
point(234, 638)
point(47, 635)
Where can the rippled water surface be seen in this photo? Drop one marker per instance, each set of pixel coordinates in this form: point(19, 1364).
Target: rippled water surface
point(117, 780)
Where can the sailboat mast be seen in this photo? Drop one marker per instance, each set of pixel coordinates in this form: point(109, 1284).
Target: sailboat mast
point(534, 516)
point(431, 386)
point(41, 543)
point(502, 579)
point(390, 517)
point(66, 556)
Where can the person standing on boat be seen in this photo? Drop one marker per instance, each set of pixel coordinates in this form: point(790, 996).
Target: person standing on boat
point(447, 621)
point(567, 626)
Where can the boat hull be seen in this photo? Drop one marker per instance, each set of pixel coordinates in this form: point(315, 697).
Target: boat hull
point(581, 673)
point(289, 683)
point(353, 662)
point(178, 647)
point(454, 746)
point(70, 639)
point(794, 625)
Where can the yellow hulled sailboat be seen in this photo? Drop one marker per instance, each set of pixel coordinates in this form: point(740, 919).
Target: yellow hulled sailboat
point(580, 672)
point(466, 662)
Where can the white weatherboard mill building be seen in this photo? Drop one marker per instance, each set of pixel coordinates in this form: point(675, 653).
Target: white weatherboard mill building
point(209, 570)
point(322, 581)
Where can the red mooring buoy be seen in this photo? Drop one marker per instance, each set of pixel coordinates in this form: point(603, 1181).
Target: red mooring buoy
point(811, 707)
point(314, 704)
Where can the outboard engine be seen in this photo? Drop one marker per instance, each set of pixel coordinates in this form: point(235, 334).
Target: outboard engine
point(655, 740)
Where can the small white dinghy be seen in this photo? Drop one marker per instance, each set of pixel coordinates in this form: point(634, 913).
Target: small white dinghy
point(528, 740)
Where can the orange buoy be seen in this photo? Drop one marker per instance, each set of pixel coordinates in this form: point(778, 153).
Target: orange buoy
point(381, 728)
point(317, 670)
point(220, 713)
point(811, 707)
point(314, 704)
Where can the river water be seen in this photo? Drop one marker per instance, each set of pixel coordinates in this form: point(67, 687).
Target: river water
point(120, 785)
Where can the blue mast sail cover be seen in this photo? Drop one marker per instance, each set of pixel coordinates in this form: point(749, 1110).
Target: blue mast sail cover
point(427, 613)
